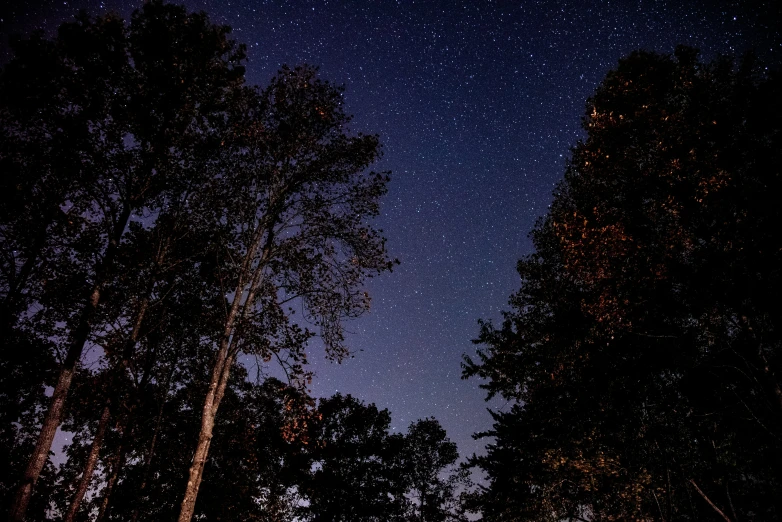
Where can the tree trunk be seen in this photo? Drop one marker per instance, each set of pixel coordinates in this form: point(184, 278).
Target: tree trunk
point(151, 450)
point(222, 367)
point(218, 381)
point(86, 477)
point(116, 462)
point(53, 415)
point(115, 469)
point(97, 442)
point(46, 436)
point(217, 384)
point(709, 502)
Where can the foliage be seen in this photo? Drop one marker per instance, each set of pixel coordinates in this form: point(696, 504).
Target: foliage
point(100, 131)
point(642, 353)
point(163, 218)
point(434, 482)
point(361, 472)
point(351, 479)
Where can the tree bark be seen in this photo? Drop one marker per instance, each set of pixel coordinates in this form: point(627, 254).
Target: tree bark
point(217, 384)
point(225, 355)
point(221, 371)
point(89, 468)
point(53, 415)
point(97, 442)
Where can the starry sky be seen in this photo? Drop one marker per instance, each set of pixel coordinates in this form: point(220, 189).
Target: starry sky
point(477, 104)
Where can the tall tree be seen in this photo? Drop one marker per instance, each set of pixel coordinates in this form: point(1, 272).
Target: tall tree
point(131, 108)
point(642, 353)
point(298, 199)
point(162, 316)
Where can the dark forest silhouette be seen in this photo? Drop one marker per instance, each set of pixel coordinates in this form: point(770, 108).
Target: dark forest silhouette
point(159, 218)
point(642, 352)
point(160, 211)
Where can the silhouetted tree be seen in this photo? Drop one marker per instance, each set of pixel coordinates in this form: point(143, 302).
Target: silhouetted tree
point(433, 480)
point(106, 134)
point(361, 472)
point(357, 473)
point(298, 199)
point(156, 209)
point(642, 353)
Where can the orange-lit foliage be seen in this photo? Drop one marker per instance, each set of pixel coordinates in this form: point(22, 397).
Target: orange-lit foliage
point(643, 352)
point(299, 413)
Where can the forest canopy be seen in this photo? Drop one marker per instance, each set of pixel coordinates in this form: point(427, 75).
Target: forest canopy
point(641, 355)
point(159, 219)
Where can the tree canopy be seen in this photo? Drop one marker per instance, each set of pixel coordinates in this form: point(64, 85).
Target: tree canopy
point(162, 217)
point(642, 353)
point(362, 472)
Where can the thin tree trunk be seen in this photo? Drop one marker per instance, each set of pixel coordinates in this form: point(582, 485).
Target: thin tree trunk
point(89, 468)
point(659, 509)
point(730, 502)
point(51, 420)
point(117, 462)
point(53, 415)
point(97, 442)
point(709, 502)
point(217, 384)
point(115, 469)
point(225, 356)
point(151, 450)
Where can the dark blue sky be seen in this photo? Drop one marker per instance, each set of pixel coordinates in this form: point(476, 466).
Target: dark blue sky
point(477, 104)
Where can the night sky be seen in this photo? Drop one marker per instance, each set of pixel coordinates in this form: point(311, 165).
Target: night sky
point(477, 104)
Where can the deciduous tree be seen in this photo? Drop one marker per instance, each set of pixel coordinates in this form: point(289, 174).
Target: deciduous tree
point(298, 198)
point(99, 133)
point(642, 352)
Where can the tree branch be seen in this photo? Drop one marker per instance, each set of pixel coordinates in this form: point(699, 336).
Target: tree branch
point(708, 501)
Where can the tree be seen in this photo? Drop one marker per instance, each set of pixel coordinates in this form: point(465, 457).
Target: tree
point(361, 472)
point(297, 203)
point(100, 128)
point(162, 212)
point(356, 474)
point(136, 157)
point(431, 474)
point(642, 352)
